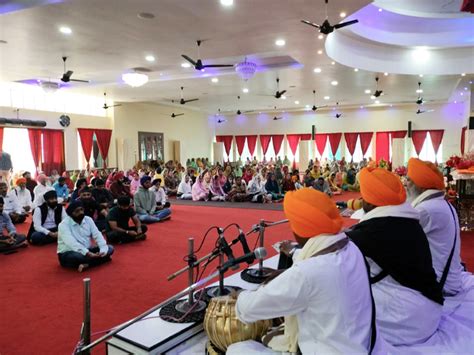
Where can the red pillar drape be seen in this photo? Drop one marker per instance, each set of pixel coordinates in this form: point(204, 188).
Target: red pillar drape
point(103, 141)
point(436, 136)
point(351, 141)
point(334, 140)
point(240, 141)
point(227, 140)
point(398, 134)
point(365, 139)
point(305, 136)
point(321, 139)
point(35, 146)
point(251, 143)
point(53, 151)
point(468, 6)
point(382, 146)
point(277, 140)
point(293, 140)
point(265, 142)
point(1, 139)
point(86, 136)
point(419, 138)
point(463, 139)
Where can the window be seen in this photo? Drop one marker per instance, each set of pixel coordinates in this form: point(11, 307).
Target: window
point(16, 142)
point(428, 153)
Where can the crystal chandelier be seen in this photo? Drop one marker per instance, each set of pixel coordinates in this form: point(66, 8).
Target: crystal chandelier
point(246, 70)
point(135, 79)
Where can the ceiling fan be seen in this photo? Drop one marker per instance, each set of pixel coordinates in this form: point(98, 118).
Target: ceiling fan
point(173, 115)
point(198, 65)
point(338, 114)
point(326, 28)
point(314, 108)
point(239, 112)
point(182, 101)
point(377, 92)
point(66, 78)
point(105, 107)
point(276, 118)
point(420, 100)
point(419, 112)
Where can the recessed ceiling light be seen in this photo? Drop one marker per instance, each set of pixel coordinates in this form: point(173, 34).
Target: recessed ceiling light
point(465, 88)
point(463, 74)
point(462, 94)
point(297, 102)
point(65, 30)
point(356, 70)
point(227, 2)
point(361, 106)
point(326, 97)
point(372, 97)
point(377, 102)
point(455, 102)
point(317, 70)
point(145, 15)
point(185, 65)
point(320, 51)
point(421, 75)
point(307, 106)
point(215, 80)
point(161, 74)
point(334, 83)
point(386, 74)
point(342, 14)
point(419, 91)
point(245, 90)
point(284, 98)
point(280, 42)
point(367, 91)
point(320, 37)
point(380, 10)
point(391, 105)
point(150, 58)
point(333, 63)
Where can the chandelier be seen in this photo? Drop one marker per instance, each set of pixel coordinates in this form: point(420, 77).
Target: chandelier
point(246, 70)
point(135, 79)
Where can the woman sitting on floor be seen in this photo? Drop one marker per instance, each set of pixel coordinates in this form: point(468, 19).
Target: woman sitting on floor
point(199, 190)
point(238, 193)
point(185, 189)
point(256, 190)
point(217, 193)
point(333, 185)
point(272, 187)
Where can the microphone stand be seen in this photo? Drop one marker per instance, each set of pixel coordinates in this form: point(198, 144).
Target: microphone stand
point(260, 274)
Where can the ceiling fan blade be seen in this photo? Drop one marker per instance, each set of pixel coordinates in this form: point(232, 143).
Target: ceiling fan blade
point(310, 23)
point(218, 66)
point(189, 59)
point(345, 24)
point(282, 92)
point(190, 100)
point(249, 111)
point(179, 114)
point(80, 81)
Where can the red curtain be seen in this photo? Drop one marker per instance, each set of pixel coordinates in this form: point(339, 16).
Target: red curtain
point(87, 136)
point(251, 143)
point(103, 141)
point(321, 139)
point(365, 139)
point(382, 147)
point(334, 140)
point(293, 140)
point(398, 134)
point(265, 142)
point(240, 141)
point(1, 139)
point(351, 141)
point(436, 136)
point(419, 138)
point(227, 140)
point(463, 139)
point(305, 136)
point(468, 6)
point(277, 140)
point(53, 151)
point(35, 146)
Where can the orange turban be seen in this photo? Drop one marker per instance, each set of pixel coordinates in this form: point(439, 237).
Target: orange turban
point(311, 213)
point(380, 187)
point(425, 174)
point(21, 181)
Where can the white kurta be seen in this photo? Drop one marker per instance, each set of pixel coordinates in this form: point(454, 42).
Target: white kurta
point(438, 224)
point(329, 294)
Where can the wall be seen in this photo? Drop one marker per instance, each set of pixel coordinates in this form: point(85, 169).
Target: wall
point(450, 117)
point(193, 130)
point(70, 133)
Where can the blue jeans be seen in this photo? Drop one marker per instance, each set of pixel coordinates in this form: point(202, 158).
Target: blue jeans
point(73, 259)
point(156, 217)
point(38, 238)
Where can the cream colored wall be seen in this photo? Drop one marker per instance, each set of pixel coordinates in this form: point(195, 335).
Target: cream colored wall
point(193, 130)
point(70, 133)
point(450, 117)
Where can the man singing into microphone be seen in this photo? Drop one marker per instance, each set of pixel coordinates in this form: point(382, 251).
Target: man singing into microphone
point(324, 297)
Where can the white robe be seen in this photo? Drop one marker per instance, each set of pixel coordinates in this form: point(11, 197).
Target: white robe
point(329, 294)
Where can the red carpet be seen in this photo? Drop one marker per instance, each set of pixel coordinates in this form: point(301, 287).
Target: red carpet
point(41, 303)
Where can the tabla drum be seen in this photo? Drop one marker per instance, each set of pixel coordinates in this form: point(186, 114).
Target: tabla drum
point(223, 328)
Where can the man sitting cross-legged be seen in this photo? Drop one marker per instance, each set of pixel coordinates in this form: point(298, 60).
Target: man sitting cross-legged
point(75, 248)
point(145, 203)
point(46, 219)
point(24, 195)
point(11, 205)
point(12, 240)
point(119, 230)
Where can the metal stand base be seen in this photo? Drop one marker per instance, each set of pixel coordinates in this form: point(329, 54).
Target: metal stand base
point(173, 312)
point(211, 292)
point(256, 276)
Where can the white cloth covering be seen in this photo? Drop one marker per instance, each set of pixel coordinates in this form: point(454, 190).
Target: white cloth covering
point(329, 295)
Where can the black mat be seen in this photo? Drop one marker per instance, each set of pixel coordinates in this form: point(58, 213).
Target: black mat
point(247, 205)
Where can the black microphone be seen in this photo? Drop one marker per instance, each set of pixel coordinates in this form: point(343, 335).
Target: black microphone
point(259, 253)
point(245, 247)
point(225, 247)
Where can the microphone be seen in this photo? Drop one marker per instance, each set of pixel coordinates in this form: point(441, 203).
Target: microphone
point(224, 246)
point(245, 247)
point(259, 253)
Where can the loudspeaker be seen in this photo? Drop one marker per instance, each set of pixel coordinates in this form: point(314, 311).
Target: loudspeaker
point(313, 131)
point(409, 129)
point(471, 122)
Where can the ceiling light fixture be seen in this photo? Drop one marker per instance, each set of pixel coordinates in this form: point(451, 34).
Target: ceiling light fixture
point(317, 70)
point(246, 70)
point(419, 91)
point(320, 36)
point(372, 97)
point(333, 63)
point(150, 58)
point(421, 54)
point(307, 107)
point(386, 74)
point(297, 102)
point(135, 79)
point(280, 42)
point(342, 14)
point(215, 80)
point(462, 94)
point(361, 107)
point(65, 30)
point(367, 91)
point(421, 75)
point(463, 74)
point(334, 83)
point(283, 97)
point(356, 70)
point(245, 90)
point(465, 88)
point(320, 51)
point(377, 102)
point(380, 10)
point(185, 65)
point(227, 2)
point(326, 97)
